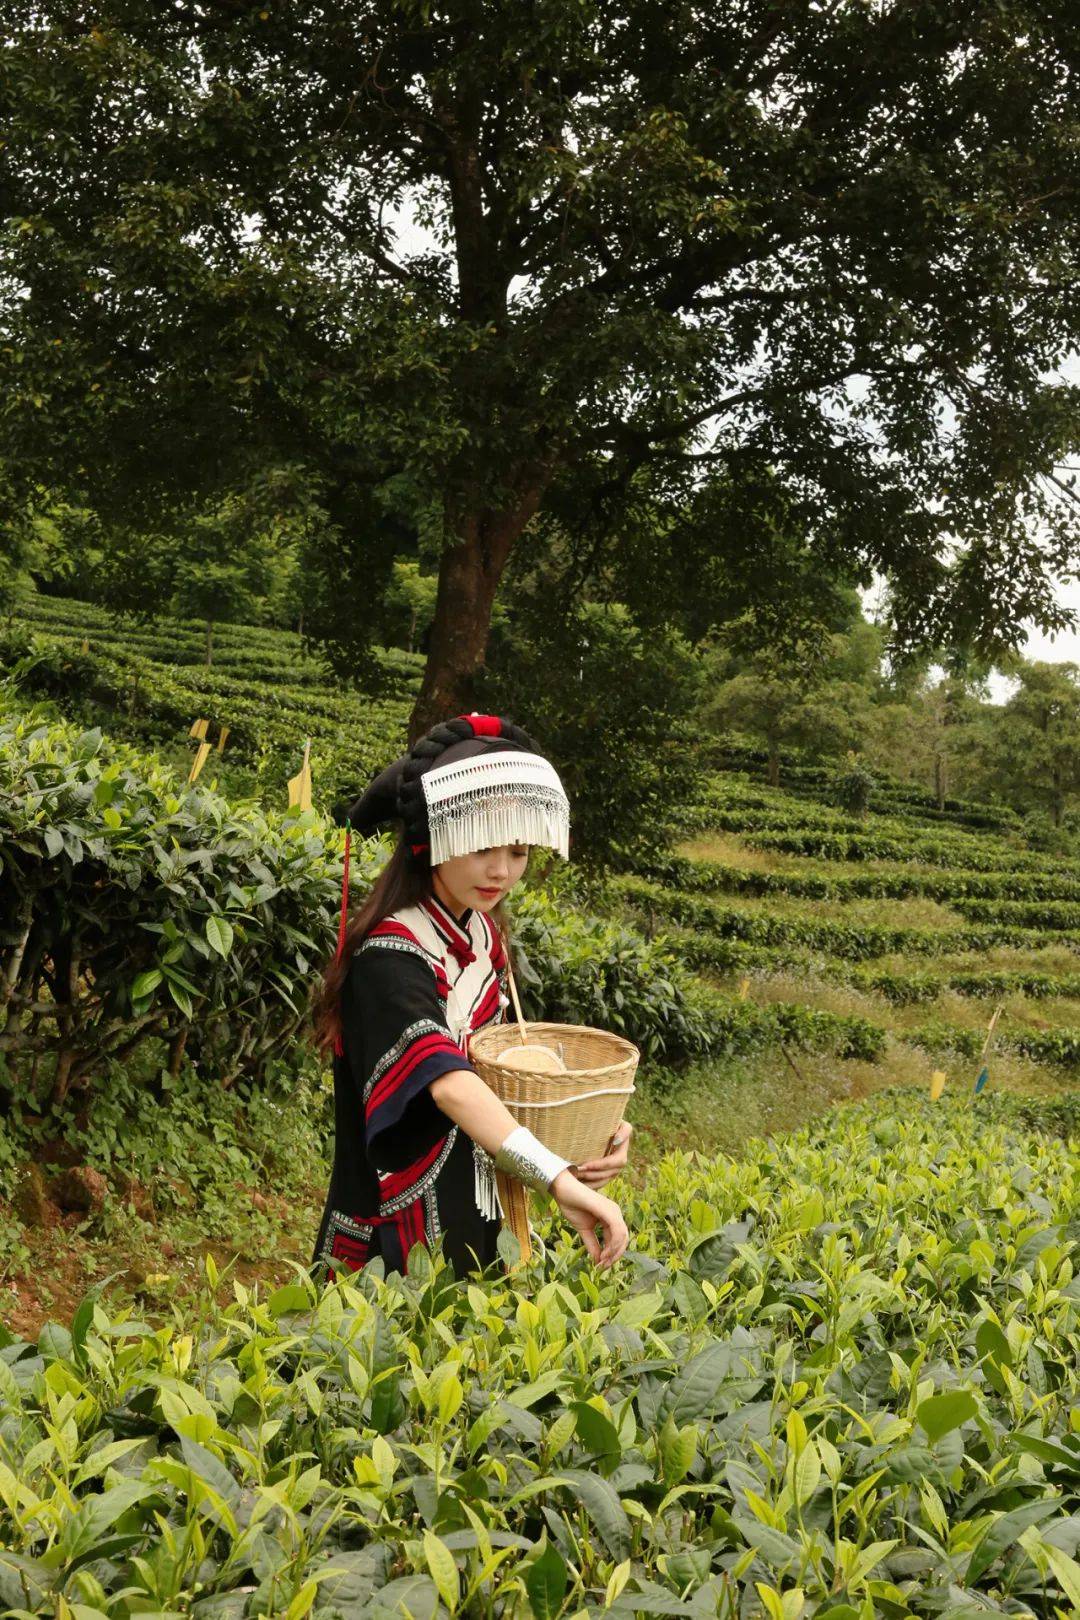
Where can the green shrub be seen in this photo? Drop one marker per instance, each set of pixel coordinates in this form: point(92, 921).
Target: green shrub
point(1048, 914)
point(853, 787)
point(1057, 1046)
point(801, 776)
point(353, 737)
point(714, 877)
point(843, 1367)
point(584, 970)
point(141, 909)
point(135, 908)
point(830, 845)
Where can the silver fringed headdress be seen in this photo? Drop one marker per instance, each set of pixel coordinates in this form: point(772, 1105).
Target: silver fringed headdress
point(505, 797)
point(474, 782)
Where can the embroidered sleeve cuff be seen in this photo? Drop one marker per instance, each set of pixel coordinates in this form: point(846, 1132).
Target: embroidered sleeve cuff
point(406, 1070)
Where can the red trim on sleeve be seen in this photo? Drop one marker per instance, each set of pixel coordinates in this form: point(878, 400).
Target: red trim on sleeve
point(400, 1180)
point(424, 1046)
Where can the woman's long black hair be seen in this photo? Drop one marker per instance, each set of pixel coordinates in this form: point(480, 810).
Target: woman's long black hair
point(405, 880)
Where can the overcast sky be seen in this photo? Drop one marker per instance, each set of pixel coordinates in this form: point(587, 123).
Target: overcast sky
point(1065, 647)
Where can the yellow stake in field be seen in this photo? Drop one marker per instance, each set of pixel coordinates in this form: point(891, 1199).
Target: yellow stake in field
point(199, 729)
point(300, 784)
point(199, 761)
point(937, 1084)
point(984, 1072)
point(221, 738)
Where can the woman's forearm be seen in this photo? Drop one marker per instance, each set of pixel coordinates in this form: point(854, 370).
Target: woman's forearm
point(464, 1098)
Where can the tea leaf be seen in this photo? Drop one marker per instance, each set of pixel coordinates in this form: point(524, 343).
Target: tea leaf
point(545, 1582)
point(444, 1571)
point(602, 1504)
point(938, 1415)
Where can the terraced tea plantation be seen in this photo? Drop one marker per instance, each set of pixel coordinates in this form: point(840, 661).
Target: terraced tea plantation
point(151, 682)
point(893, 937)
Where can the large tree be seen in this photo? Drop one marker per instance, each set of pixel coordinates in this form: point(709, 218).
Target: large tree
point(1028, 750)
point(760, 268)
point(815, 696)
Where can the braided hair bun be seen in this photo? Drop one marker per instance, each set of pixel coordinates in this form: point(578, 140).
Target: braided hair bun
point(397, 793)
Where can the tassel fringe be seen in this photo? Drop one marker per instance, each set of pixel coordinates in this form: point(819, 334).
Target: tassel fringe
point(485, 1188)
point(458, 828)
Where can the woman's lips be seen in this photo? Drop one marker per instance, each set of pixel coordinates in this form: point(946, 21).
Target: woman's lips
point(489, 893)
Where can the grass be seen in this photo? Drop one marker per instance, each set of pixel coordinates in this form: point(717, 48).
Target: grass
point(966, 1012)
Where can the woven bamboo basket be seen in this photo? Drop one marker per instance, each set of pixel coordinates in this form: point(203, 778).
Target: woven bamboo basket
point(574, 1113)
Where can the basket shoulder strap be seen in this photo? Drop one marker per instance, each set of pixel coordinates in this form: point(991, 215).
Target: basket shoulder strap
point(517, 1003)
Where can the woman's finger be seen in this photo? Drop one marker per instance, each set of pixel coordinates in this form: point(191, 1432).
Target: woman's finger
point(611, 1161)
point(616, 1237)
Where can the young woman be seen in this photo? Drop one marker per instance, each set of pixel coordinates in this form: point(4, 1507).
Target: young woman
point(418, 1134)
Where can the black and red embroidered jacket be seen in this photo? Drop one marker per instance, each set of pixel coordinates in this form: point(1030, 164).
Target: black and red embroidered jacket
point(418, 984)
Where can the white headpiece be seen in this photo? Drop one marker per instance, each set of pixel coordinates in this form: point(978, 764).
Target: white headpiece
point(506, 796)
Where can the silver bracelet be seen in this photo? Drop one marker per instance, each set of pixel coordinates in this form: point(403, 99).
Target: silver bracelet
point(523, 1155)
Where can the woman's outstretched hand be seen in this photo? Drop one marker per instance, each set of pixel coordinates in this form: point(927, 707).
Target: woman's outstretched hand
point(597, 1172)
point(587, 1210)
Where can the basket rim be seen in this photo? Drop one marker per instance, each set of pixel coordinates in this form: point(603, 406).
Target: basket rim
point(629, 1052)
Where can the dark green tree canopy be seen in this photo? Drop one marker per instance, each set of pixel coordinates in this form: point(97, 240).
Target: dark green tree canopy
point(762, 269)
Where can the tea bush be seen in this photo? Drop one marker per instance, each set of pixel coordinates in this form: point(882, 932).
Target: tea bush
point(352, 735)
point(1058, 1046)
point(716, 877)
point(738, 764)
point(581, 969)
point(134, 908)
point(828, 844)
point(854, 941)
point(914, 987)
point(836, 1378)
point(585, 969)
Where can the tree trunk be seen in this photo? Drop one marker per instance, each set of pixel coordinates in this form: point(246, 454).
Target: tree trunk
point(412, 631)
point(469, 575)
point(939, 781)
point(176, 1051)
point(209, 642)
point(774, 764)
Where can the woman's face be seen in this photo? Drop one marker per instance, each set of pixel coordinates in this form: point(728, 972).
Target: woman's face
point(479, 880)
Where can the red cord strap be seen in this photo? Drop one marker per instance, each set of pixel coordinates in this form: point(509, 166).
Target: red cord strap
point(344, 916)
point(339, 1039)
